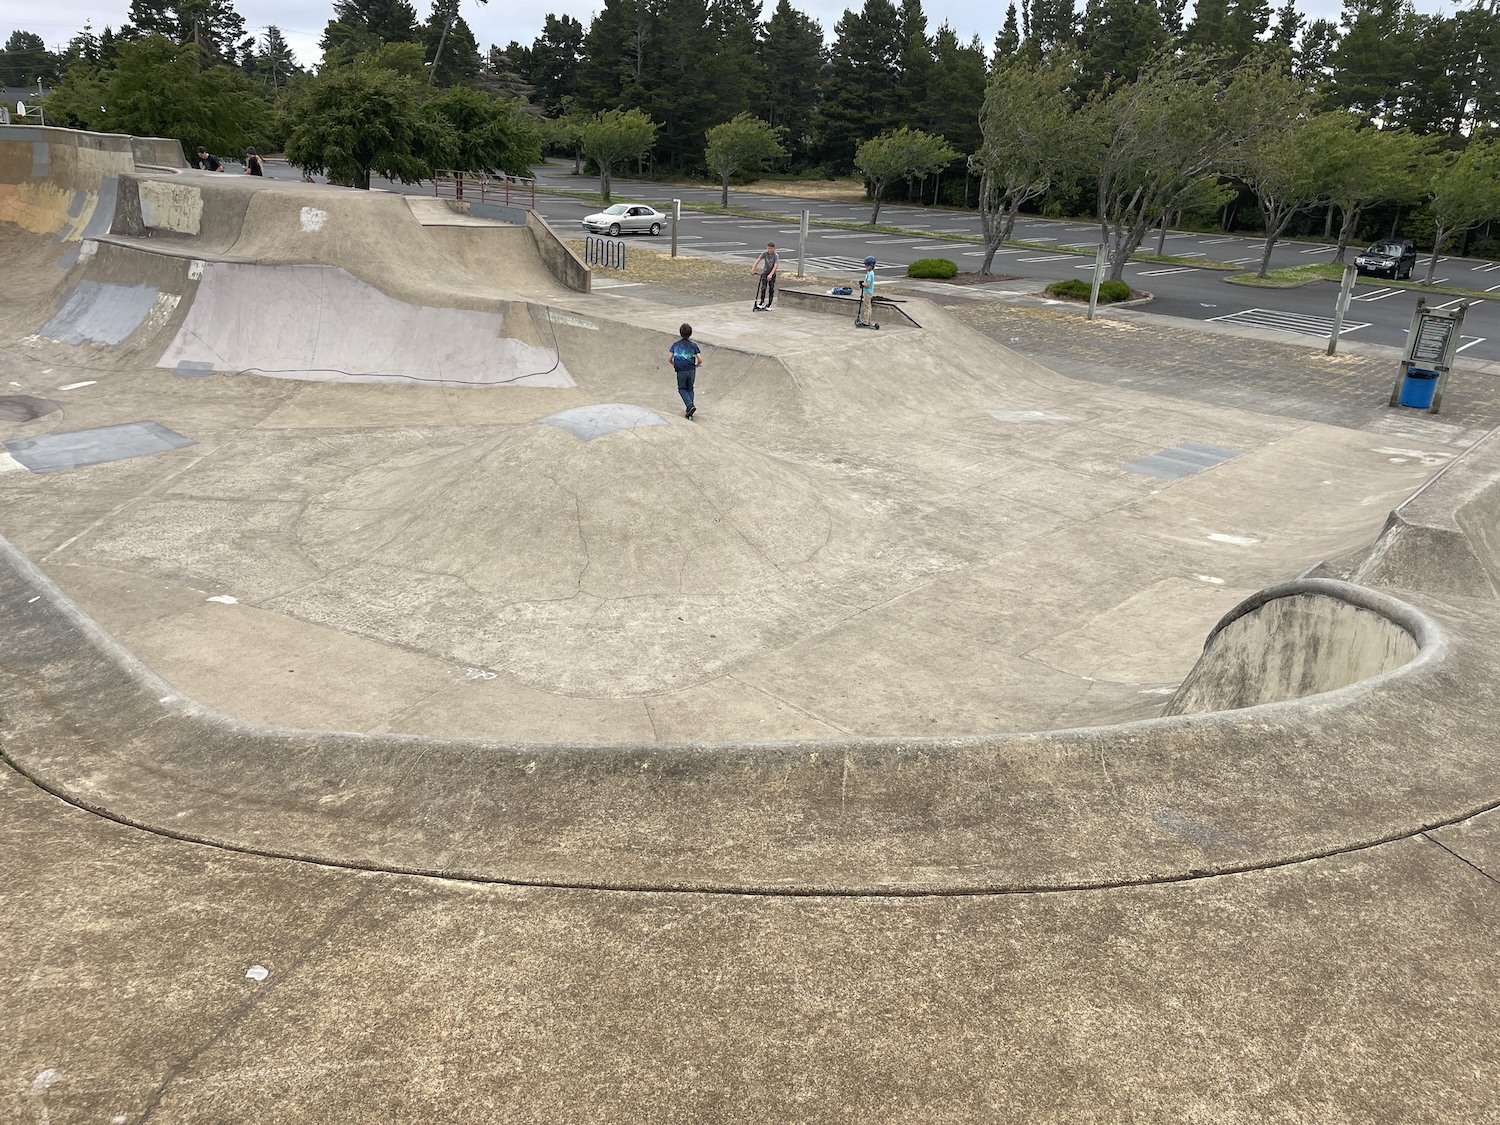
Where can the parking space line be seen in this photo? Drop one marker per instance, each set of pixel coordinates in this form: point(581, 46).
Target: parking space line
point(1472, 341)
point(1174, 269)
point(1300, 323)
point(1376, 294)
point(1319, 250)
point(1047, 258)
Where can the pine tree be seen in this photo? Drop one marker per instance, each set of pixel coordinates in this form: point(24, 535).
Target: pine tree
point(1375, 56)
point(916, 54)
point(26, 60)
point(363, 25)
point(1008, 40)
point(1117, 39)
point(862, 93)
point(955, 90)
point(791, 58)
point(552, 64)
point(614, 56)
point(1053, 24)
point(1289, 23)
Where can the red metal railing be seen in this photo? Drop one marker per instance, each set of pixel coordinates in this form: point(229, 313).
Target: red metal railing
point(480, 187)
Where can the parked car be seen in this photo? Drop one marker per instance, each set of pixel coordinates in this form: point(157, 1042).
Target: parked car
point(626, 218)
point(1390, 257)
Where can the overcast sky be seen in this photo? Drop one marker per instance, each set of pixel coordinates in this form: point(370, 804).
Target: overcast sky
point(503, 20)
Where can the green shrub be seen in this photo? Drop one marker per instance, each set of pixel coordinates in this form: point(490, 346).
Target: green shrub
point(1077, 289)
point(932, 267)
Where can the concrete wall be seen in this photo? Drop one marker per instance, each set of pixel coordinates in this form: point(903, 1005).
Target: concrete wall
point(837, 305)
point(565, 265)
point(1295, 640)
point(1445, 539)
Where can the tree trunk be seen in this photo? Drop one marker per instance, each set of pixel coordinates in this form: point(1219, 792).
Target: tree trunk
point(724, 198)
point(604, 182)
point(936, 182)
point(1265, 255)
point(578, 161)
point(1328, 223)
point(875, 217)
point(1010, 222)
point(1346, 231)
point(1439, 236)
point(1161, 238)
point(362, 179)
point(438, 54)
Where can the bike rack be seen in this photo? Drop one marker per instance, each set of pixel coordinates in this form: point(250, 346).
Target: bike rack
point(604, 252)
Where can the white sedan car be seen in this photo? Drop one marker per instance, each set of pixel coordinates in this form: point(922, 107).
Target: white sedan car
point(626, 218)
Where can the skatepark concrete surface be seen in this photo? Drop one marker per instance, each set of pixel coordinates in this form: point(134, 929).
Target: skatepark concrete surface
point(410, 716)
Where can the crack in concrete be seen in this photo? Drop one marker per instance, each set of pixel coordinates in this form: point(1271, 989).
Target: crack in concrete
point(1465, 860)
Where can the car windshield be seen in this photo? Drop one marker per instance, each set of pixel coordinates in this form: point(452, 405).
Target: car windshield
point(617, 209)
point(1391, 248)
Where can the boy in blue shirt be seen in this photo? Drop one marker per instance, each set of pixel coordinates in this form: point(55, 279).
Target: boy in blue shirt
point(686, 359)
point(865, 317)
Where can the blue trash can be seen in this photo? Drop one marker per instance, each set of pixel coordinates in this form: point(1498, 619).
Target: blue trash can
point(1418, 388)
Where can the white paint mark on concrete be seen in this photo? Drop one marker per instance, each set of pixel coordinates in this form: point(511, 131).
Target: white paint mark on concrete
point(478, 674)
point(313, 219)
point(1209, 578)
point(45, 1080)
point(1157, 691)
point(225, 599)
point(1399, 456)
point(75, 386)
point(257, 972)
point(1233, 540)
point(87, 250)
point(9, 464)
point(166, 699)
point(118, 1119)
point(35, 599)
point(572, 321)
point(195, 269)
point(161, 310)
point(1029, 416)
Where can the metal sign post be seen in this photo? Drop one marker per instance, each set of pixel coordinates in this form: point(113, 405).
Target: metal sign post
point(802, 245)
point(1346, 290)
point(1431, 345)
point(1099, 259)
point(676, 214)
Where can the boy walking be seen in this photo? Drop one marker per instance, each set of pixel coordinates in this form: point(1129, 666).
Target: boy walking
point(686, 359)
point(865, 318)
point(765, 290)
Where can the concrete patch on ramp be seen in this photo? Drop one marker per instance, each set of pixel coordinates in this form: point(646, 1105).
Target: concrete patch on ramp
point(100, 312)
point(76, 449)
point(323, 324)
point(172, 207)
point(589, 422)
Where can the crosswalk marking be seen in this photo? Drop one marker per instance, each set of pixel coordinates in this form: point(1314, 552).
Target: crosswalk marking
point(1301, 323)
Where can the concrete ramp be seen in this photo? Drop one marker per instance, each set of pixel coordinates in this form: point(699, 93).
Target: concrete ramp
point(318, 322)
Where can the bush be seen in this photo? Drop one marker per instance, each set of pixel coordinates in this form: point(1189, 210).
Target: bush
point(1077, 289)
point(932, 267)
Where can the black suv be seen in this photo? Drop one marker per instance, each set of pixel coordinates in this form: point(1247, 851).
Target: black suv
point(1390, 257)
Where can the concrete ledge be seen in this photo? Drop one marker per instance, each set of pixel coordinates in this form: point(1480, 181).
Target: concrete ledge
point(565, 265)
point(1144, 802)
point(838, 305)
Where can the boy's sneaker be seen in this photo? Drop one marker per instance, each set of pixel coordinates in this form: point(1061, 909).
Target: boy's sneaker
point(691, 411)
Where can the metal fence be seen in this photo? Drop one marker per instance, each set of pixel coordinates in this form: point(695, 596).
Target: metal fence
point(479, 187)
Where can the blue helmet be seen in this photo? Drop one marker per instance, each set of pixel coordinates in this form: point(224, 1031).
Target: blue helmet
point(870, 261)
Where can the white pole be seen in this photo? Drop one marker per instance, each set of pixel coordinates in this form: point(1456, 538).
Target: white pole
point(1346, 288)
point(1099, 259)
point(676, 214)
point(802, 245)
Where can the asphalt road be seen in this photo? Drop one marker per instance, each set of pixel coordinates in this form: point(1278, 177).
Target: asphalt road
point(1378, 314)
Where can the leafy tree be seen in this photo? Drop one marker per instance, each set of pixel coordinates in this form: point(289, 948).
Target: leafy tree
point(614, 136)
point(1155, 138)
point(1030, 143)
point(1465, 192)
point(862, 93)
point(1362, 166)
point(453, 48)
point(489, 133)
point(741, 145)
point(162, 89)
point(1281, 166)
point(1311, 62)
point(791, 58)
point(212, 25)
point(901, 154)
point(26, 61)
point(554, 60)
point(354, 120)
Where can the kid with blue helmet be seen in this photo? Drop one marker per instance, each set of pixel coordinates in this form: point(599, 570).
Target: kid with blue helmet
point(865, 318)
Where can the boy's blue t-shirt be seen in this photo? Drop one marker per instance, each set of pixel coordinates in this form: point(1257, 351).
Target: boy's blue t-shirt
point(683, 352)
point(868, 285)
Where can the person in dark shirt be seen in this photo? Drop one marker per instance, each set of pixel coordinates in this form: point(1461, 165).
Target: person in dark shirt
point(253, 166)
point(208, 161)
point(685, 361)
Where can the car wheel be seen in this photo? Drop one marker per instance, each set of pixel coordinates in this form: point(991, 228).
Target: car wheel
point(1406, 273)
point(655, 228)
point(614, 230)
